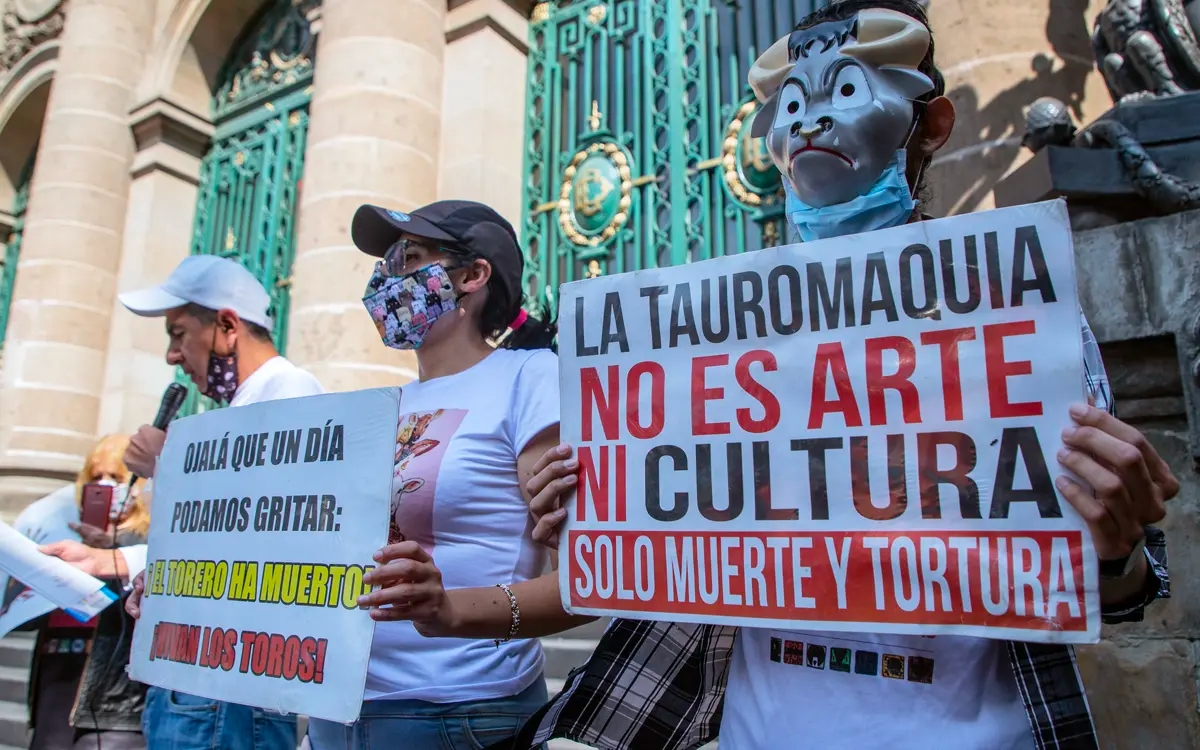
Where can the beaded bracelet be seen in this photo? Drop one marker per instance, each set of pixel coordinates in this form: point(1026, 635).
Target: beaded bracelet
point(515, 609)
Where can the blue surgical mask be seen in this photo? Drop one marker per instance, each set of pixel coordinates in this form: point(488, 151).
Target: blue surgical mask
point(889, 203)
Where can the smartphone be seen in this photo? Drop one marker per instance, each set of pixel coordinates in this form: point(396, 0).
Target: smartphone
point(95, 505)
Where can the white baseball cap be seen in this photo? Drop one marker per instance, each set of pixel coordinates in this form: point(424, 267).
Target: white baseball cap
point(209, 281)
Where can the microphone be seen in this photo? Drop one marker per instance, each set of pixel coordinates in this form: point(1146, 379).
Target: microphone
point(171, 401)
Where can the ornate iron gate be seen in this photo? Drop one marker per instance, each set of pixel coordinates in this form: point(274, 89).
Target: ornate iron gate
point(11, 251)
point(638, 120)
point(250, 179)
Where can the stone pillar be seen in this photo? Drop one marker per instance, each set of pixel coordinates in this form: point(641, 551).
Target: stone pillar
point(486, 50)
point(54, 362)
point(170, 144)
point(997, 57)
point(376, 121)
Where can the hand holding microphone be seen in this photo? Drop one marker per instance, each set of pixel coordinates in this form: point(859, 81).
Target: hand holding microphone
point(142, 454)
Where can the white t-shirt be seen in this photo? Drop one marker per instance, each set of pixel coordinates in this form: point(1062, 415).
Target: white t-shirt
point(790, 689)
point(275, 379)
point(458, 494)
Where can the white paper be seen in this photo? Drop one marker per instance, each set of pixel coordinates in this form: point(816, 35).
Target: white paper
point(61, 583)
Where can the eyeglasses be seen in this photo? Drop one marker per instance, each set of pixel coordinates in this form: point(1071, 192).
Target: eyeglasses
point(396, 258)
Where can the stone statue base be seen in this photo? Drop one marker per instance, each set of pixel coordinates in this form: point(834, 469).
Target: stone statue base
point(1104, 187)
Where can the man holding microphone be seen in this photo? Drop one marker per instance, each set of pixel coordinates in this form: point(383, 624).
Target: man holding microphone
point(219, 332)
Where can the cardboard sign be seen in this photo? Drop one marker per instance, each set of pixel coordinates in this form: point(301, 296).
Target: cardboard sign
point(265, 519)
point(857, 434)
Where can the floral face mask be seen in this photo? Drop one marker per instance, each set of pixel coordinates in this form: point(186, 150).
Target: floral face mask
point(404, 308)
point(222, 381)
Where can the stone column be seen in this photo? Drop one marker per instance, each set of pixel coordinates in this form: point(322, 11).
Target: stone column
point(486, 52)
point(54, 361)
point(374, 138)
point(170, 144)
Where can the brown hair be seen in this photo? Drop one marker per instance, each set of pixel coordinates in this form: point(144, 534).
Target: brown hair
point(112, 448)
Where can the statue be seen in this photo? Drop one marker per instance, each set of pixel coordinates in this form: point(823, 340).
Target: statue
point(1146, 50)
point(24, 24)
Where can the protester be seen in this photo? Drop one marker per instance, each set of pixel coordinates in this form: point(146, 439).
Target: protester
point(474, 423)
point(80, 697)
point(853, 110)
point(219, 329)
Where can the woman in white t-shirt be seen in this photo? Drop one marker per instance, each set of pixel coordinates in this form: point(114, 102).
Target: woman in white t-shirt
point(482, 411)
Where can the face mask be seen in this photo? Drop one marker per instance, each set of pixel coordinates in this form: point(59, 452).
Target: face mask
point(222, 380)
point(120, 499)
point(405, 308)
point(888, 203)
point(839, 105)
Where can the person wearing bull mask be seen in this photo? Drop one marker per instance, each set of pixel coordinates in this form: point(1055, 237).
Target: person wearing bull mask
point(853, 110)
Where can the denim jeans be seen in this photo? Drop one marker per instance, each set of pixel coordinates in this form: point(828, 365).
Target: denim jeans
point(418, 725)
point(177, 721)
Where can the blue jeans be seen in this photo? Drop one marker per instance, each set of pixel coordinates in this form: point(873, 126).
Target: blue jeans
point(418, 725)
point(176, 721)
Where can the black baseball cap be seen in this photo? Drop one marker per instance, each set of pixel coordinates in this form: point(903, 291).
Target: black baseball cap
point(463, 226)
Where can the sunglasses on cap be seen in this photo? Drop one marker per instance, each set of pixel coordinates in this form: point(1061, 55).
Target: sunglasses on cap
point(395, 260)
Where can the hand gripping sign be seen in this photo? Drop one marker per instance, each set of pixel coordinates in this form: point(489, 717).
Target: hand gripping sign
point(855, 434)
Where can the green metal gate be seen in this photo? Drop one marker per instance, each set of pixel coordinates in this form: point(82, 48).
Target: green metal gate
point(251, 177)
point(11, 250)
point(638, 126)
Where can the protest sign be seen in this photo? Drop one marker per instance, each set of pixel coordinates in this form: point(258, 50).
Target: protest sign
point(857, 434)
point(58, 582)
point(43, 521)
point(265, 518)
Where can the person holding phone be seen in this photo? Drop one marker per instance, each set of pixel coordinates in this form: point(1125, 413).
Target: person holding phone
point(80, 696)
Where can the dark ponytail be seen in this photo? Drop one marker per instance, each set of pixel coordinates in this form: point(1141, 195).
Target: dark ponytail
point(532, 332)
point(507, 325)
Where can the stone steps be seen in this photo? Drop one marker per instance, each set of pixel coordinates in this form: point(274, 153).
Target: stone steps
point(16, 652)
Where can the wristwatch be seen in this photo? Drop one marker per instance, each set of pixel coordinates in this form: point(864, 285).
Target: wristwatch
point(1125, 565)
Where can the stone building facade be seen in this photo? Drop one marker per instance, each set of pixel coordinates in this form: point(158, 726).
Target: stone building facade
point(135, 132)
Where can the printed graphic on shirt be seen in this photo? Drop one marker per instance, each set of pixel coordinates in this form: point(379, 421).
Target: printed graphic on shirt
point(920, 669)
point(893, 666)
point(421, 443)
point(816, 656)
point(866, 662)
point(793, 652)
point(891, 661)
point(839, 659)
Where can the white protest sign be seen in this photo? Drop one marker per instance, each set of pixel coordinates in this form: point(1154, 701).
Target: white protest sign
point(60, 583)
point(857, 434)
point(265, 518)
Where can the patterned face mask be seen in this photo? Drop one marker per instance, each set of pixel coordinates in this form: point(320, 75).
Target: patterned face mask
point(222, 375)
point(404, 308)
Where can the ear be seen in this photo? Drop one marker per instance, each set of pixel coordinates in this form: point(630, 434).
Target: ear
point(911, 83)
point(765, 116)
point(228, 321)
point(936, 125)
point(475, 276)
point(766, 77)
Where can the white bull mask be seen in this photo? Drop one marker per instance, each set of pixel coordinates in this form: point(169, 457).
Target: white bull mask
point(837, 111)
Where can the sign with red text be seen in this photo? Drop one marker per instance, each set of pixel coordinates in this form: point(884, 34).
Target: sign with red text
point(265, 519)
point(857, 434)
